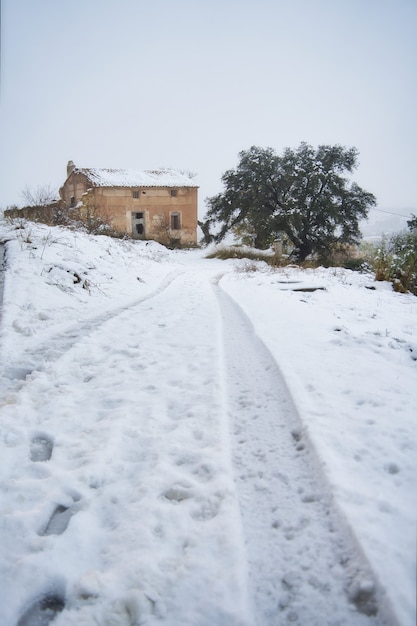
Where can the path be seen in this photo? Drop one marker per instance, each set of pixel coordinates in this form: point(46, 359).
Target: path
point(303, 567)
point(134, 517)
point(166, 480)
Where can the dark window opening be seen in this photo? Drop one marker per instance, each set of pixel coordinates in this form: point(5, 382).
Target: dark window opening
point(175, 221)
point(173, 192)
point(139, 216)
point(72, 201)
point(135, 194)
point(139, 229)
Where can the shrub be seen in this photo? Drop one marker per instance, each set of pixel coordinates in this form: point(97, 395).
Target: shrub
point(339, 256)
point(396, 261)
point(251, 254)
point(344, 255)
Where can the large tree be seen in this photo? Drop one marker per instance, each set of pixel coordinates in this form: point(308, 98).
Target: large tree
point(303, 194)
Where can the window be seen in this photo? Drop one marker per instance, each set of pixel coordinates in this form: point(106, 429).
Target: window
point(135, 194)
point(139, 216)
point(175, 221)
point(72, 202)
point(173, 192)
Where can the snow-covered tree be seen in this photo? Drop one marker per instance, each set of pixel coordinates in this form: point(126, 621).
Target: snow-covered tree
point(304, 195)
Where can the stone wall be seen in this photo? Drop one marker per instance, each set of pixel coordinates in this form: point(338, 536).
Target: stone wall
point(51, 214)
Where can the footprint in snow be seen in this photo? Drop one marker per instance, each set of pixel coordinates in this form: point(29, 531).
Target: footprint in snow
point(41, 448)
point(58, 521)
point(60, 518)
point(42, 611)
point(177, 493)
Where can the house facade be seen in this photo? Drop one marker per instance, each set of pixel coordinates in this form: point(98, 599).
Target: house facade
point(151, 204)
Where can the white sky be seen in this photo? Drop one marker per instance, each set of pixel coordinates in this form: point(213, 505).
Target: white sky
point(190, 83)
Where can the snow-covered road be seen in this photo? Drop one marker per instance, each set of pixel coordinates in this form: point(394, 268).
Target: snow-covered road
point(133, 413)
point(173, 452)
point(154, 467)
point(302, 563)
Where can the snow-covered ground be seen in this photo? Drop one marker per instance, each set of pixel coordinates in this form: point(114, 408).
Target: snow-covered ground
point(189, 441)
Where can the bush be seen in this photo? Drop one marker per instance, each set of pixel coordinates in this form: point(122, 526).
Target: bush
point(396, 261)
point(344, 255)
point(275, 259)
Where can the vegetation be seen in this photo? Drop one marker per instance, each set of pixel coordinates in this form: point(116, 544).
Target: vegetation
point(340, 256)
point(412, 223)
point(393, 260)
point(396, 260)
point(250, 254)
point(42, 196)
point(302, 195)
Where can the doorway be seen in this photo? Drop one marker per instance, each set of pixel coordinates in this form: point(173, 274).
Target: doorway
point(138, 225)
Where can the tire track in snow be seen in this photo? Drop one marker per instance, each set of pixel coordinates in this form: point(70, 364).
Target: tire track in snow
point(136, 430)
point(13, 376)
point(304, 568)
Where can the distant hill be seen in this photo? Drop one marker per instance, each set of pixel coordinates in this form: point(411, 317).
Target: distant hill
point(380, 223)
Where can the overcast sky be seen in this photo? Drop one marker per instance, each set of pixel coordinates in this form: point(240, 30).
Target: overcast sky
point(190, 83)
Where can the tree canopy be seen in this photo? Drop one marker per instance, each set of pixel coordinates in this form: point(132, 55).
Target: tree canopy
point(412, 223)
point(304, 195)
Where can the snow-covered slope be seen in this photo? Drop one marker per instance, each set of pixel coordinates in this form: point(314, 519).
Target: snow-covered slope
point(187, 441)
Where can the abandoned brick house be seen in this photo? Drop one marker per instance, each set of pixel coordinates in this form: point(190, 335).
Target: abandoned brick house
point(150, 204)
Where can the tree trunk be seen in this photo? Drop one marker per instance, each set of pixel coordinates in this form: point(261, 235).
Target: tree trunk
point(302, 251)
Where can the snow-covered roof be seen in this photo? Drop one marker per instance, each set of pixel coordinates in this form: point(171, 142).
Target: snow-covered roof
point(135, 178)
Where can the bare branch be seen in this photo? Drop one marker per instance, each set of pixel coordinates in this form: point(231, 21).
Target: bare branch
point(41, 196)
